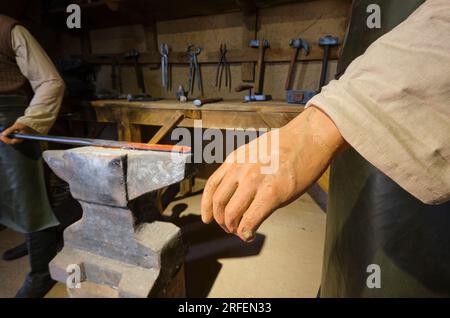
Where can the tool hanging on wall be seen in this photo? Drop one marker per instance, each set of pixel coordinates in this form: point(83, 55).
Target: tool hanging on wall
point(165, 72)
point(119, 77)
point(223, 66)
point(326, 42)
point(114, 74)
point(297, 45)
point(297, 96)
point(194, 68)
point(134, 55)
point(261, 45)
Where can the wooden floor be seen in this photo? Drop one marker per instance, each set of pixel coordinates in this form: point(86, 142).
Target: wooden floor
point(285, 260)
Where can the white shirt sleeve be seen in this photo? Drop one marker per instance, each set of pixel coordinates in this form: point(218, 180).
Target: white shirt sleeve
point(45, 81)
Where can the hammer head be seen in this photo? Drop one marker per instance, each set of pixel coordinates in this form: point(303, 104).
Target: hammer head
point(329, 40)
point(300, 44)
point(257, 43)
point(133, 54)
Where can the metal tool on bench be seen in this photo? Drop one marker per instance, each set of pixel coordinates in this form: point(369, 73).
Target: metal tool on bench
point(141, 98)
point(261, 45)
point(326, 42)
point(134, 55)
point(194, 68)
point(202, 101)
point(164, 51)
point(297, 96)
point(75, 141)
point(250, 97)
point(181, 94)
point(223, 66)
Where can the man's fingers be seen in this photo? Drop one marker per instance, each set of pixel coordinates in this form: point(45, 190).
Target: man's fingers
point(5, 133)
point(5, 139)
point(238, 204)
point(261, 207)
point(223, 194)
point(210, 188)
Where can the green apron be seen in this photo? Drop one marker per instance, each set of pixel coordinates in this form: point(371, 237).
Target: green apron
point(373, 221)
point(24, 205)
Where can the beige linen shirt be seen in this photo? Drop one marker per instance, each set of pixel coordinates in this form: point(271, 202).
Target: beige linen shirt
point(45, 81)
point(392, 105)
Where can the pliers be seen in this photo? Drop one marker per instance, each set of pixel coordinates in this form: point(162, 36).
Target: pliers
point(223, 65)
point(194, 68)
point(164, 51)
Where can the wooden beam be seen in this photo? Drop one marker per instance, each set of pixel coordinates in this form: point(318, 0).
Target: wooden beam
point(272, 55)
point(167, 127)
point(249, 32)
point(126, 131)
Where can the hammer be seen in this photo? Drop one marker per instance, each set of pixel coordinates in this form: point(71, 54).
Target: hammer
point(297, 44)
point(250, 97)
point(134, 55)
point(261, 45)
point(326, 42)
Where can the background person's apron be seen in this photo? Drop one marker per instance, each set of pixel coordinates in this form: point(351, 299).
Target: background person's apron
point(371, 219)
point(24, 205)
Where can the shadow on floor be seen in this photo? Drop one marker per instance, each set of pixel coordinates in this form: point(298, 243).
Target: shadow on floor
point(206, 244)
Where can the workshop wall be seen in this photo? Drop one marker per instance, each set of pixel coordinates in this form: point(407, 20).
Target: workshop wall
point(309, 20)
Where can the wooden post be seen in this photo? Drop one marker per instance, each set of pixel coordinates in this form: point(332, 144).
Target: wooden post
point(249, 32)
point(125, 130)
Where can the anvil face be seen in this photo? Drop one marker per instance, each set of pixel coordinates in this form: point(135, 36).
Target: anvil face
point(116, 176)
point(118, 257)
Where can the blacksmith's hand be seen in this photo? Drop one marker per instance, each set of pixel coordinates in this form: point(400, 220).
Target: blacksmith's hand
point(16, 128)
point(242, 193)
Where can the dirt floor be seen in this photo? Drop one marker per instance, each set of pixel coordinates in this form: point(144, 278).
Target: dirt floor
point(284, 260)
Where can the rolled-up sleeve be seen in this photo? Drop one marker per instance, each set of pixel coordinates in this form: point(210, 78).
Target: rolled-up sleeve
point(45, 81)
point(393, 103)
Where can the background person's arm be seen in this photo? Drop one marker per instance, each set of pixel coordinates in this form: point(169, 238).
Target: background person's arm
point(45, 81)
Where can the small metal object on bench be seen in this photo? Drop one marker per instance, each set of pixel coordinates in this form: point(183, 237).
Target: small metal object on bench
point(199, 102)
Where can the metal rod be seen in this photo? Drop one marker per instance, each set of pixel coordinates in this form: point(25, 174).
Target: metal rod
point(101, 143)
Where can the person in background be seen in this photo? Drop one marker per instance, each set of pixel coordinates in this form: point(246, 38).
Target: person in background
point(31, 92)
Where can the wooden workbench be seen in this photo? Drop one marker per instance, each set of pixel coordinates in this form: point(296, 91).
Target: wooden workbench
point(227, 114)
point(129, 116)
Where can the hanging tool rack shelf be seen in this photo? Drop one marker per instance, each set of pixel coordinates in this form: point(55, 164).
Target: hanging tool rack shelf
point(273, 55)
